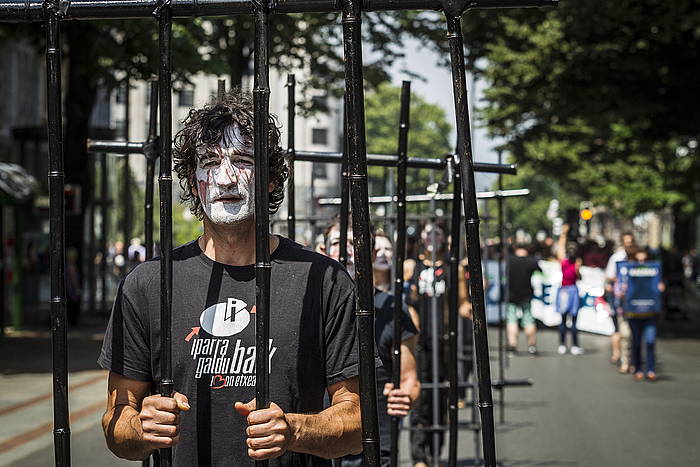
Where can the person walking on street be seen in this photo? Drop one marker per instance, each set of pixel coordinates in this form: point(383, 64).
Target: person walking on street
point(567, 296)
point(620, 340)
point(521, 266)
point(643, 323)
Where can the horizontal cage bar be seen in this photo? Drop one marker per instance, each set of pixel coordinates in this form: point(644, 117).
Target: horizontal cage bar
point(33, 10)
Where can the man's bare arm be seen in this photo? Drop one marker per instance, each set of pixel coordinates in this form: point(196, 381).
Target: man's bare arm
point(334, 432)
point(135, 424)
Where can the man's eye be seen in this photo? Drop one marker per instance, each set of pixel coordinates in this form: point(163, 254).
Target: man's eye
point(209, 163)
point(244, 162)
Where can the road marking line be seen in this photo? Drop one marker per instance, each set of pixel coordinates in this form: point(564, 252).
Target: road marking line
point(21, 405)
point(34, 433)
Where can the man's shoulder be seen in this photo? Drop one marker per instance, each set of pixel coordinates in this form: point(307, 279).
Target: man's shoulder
point(292, 252)
point(145, 273)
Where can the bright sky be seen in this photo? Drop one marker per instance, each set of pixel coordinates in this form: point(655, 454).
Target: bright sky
point(437, 88)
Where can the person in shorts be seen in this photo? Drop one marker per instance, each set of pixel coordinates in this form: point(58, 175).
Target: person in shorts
point(520, 267)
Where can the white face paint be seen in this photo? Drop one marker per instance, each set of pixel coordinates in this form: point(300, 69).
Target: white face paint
point(384, 251)
point(427, 238)
point(333, 249)
point(226, 179)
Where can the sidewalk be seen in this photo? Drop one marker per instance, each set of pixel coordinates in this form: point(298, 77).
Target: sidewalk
point(26, 394)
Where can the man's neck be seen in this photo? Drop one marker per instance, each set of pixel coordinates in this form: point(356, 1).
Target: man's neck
point(382, 279)
point(232, 244)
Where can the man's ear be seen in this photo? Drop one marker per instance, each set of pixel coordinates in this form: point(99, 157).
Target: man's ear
point(271, 187)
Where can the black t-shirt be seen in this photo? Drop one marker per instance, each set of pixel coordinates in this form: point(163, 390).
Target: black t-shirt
point(312, 343)
point(431, 283)
point(520, 269)
point(384, 332)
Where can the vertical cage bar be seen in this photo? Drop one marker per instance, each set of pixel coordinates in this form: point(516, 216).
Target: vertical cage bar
point(91, 278)
point(151, 154)
point(261, 105)
point(165, 183)
point(61, 422)
point(471, 220)
point(126, 175)
point(344, 193)
point(220, 89)
point(291, 113)
point(357, 169)
point(104, 228)
point(452, 358)
point(404, 125)
point(501, 297)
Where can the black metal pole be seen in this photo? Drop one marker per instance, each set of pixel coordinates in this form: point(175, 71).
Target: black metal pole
point(291, 113)
point(126, 193)
point(452, 358)
point(151, 153)
point(501, 297)
point(344, 194)
point(404, 125)
point(263, 267)
point(61, 422)
point(357, 170)
point(91, 277)
point(453, 12)
point(2, 274)
point(31, 10)
point(220, 89)
point(104, 228)
point(165, 183)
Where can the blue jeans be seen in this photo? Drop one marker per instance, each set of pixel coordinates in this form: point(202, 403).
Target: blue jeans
point(643, 330)
point(567, 304)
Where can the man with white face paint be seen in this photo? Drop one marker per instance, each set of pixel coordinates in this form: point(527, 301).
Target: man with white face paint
point(212, 417)
point(391, 402)
point(428, 295)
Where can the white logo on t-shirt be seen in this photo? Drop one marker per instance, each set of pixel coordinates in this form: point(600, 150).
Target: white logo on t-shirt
point(225, 319)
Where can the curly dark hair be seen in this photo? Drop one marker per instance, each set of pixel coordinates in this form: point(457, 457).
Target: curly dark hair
point(206, 127)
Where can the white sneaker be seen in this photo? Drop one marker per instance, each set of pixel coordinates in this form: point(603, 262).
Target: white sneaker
point(576, 350)
point(561, 350)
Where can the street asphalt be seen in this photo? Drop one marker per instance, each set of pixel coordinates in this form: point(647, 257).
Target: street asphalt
point(579, 412)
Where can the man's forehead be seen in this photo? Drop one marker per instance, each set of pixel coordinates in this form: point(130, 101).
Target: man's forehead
point(231, 138)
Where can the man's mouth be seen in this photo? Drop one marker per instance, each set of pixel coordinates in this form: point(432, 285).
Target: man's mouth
point(228, 198)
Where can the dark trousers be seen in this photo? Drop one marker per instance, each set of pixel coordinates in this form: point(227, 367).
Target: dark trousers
point(422, 413)
point(643, 332)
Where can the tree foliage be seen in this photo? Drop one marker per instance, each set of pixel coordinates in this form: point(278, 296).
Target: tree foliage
point(428, 135)
point(601, 96)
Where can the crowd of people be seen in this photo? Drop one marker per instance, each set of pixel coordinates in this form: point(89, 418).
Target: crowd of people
point(212, 417)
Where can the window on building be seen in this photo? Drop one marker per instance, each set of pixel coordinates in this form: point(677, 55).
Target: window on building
point(319, 171)
point(120, 128)
point(319, 136)
point(185, 98)
point(121, 95)
point(320, 102)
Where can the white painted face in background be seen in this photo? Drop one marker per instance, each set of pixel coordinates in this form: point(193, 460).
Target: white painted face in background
point(427, 238)
point(333, 249)
point(226, 178)
point(384, 252)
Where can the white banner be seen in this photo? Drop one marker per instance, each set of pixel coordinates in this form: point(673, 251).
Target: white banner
point(545, 287)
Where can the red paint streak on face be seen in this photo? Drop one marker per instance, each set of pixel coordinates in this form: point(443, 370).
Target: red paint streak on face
point(203, 186)
point(230, 170)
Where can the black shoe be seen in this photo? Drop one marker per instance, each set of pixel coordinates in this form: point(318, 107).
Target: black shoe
point(511, 351)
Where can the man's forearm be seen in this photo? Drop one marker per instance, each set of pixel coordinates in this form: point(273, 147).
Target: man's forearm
point(124, 433)
point(332, 433)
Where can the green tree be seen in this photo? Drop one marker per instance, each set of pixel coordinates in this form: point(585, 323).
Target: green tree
point(601, 96)
point(428, 135)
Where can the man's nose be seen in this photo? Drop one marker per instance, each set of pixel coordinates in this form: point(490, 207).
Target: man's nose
point(226, 174)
